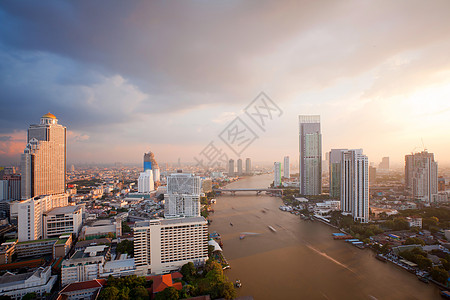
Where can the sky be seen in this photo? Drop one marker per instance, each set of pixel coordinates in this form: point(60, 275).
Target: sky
point(126, 77)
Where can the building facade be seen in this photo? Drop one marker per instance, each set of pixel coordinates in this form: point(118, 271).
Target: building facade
point(61, 220)
point(183, 195)
point(335, 163)
point(276, 174)
point(30, 214)
point(165, 245)
point(231, 168)
point(286, 166)
point(239, 167)
point(43, 162)
point(310, 144)
point(146, 182)
point(355, 184)
point(248, 166)
point(421, 176)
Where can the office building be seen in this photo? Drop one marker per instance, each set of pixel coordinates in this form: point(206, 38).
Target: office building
point(372, 175)
point(355, 184)
point(286, 171)
point(335, 163)
point(62, 220)
point(239, 167)
point(165, 245)
point(277, 174)
point(43, 162)
point(310, 144)
point(10, 187)
point(384, 164)
point(183, 196)
point(421, 176)
point(441, 184)
point(146, 182)
point(30, 214)
point(40, 281)
point(248, 166)
point(231, 168)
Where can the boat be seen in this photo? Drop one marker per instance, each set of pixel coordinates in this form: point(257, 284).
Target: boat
point(231, 224)
point(238, 283)
point(242, 236)
point(271, 228)
point(445, 294)
point(423, 279)
point(381, 258)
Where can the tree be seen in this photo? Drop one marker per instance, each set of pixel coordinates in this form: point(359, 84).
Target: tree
point(125, 227)
point(169, 293)
point(139, 293)
point(126, 246)
point(189, 272)
point(414, 241)
point(109, 293)
point(226, 290)
point(440, 275)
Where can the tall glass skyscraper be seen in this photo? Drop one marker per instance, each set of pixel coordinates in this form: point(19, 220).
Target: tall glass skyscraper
point(310, 144)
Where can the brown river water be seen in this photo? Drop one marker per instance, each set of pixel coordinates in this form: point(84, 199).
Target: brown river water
point(300, 260)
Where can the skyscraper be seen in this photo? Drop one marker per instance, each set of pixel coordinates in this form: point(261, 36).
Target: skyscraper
point(43, 162)
point(384, 164)
point(231, 168)
point(421, 176)
point(148, 161)
point(355, 184)
point(183, 196)
point(145, 182)
point(310, 148)
point(239, 167)
point(335, 163)
point(277, 174)
point(286, 171)
point(248, 166)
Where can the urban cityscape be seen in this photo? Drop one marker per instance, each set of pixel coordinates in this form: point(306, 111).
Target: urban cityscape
point(137, 161)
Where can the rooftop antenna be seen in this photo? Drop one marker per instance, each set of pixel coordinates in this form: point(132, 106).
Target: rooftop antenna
point(424, 148)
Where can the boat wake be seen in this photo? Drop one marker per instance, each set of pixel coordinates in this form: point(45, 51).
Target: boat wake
point(330, 258)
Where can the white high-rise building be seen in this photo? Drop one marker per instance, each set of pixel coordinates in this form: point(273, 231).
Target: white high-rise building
point(286, 171)
point(231, 168)
point(43, 162)
point(239, 167)
point(355, 184)
point(183, 195)
point(162, 246)
point(277, 174)
point(248, 166)
point(421, 176)
point(145, 182)
point(156, 173)
point(30, 214)
point(310, 148)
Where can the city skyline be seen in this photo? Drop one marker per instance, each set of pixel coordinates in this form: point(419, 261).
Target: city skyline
point(382, 90)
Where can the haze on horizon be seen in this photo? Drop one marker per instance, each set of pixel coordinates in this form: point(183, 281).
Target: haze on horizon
point(129, 77)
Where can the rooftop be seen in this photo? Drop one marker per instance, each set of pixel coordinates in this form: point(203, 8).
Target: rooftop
point(63, 210)
point(84, 285)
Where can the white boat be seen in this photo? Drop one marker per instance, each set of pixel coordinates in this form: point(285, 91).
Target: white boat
point(273, 229)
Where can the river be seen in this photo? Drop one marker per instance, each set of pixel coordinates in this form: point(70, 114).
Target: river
point(300, 260)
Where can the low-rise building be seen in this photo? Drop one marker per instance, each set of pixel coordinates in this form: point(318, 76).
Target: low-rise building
point(118, 268)
point(60, 220)
point(82, 290)
point(84, 265)
point(414, 222)
point(40, 282)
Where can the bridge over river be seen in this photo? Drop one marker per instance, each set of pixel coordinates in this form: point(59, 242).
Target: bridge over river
point(257, 190)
